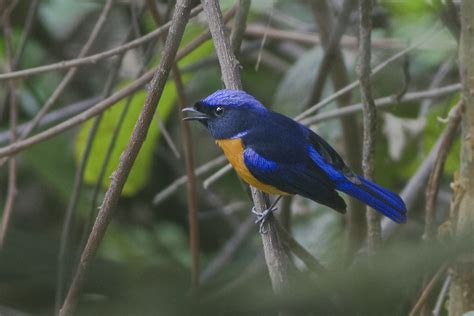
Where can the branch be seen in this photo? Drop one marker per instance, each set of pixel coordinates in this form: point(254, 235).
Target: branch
point(355, 220)
point(275, 255)
point(433, 183)
point(13, 107)
point(71, 72)
point(92, 59)
point(59, 115)
point(77, 186)
point(308, 259)
point(174, 186)
point(384, 102)
point(118, 178)
point(370, 117)
point(331, 40)
point(191, 187)
point(442, 296)
point(255, 30)
point(424, 38)
point(427, 291)
point(240, 23)
point(228, 250)
point(99, 107)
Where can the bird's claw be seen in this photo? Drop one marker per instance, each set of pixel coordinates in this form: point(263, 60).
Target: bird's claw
point(262, 218)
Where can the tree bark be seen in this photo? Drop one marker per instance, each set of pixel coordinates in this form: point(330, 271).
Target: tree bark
point(462, 287)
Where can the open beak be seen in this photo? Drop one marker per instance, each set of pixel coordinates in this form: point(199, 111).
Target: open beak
point(196, 115)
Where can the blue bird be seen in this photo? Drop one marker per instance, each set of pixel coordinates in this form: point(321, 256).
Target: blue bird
point(278, 155)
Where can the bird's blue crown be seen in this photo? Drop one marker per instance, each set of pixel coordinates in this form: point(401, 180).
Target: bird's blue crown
point(235, 98)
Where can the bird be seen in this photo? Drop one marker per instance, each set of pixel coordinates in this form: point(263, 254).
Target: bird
point(280, 156)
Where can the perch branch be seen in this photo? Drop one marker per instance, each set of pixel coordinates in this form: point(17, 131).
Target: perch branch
point(276, 257)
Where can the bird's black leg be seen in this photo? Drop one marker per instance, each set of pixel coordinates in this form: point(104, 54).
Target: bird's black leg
point(263, 216)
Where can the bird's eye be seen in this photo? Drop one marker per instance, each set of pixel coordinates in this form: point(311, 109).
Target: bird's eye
point(218, 111)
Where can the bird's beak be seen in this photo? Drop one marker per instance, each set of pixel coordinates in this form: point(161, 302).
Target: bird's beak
point(197, 116)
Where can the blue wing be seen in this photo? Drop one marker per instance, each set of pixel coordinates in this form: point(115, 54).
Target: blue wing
point(377, 197)
point(295, 178)
point(294, 159)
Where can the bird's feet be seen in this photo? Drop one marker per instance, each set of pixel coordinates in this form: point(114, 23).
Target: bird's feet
point(262, 218)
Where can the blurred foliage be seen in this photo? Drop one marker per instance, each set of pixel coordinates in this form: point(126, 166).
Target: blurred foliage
point(143, 266)
point(140, 172)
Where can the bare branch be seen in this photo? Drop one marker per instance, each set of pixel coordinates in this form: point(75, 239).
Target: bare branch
point(333, 64)
point(191, 187)
point(118, 178)
point(13, 107)
point(92, 59)
point(385, 102)
point(228, 250)
point(72, 72)
point(255, 30)
point(449, 135)
point(370, 117)
point(424, 38)
point(442, 296)
point(427, 291)
point(276, 257)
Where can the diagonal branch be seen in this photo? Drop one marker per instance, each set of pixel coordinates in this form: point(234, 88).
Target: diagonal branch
point(191, 186)
point(13, 107)
point(432, 188)
point(92, 59)
point(118, 178)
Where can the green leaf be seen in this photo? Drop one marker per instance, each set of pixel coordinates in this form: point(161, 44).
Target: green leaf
point(140, 172)
point(141, 168)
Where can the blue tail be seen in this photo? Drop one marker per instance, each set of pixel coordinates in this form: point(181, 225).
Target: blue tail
point(381, 199)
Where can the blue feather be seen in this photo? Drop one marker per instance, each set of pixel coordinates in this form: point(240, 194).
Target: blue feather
point(381, 199)
point(377, 197)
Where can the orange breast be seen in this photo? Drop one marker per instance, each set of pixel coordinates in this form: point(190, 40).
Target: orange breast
point(234, 151)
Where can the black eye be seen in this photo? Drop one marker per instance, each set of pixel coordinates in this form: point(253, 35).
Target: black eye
point(218, 111)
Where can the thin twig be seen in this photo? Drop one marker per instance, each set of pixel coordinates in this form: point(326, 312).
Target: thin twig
point(276, 257)
point(308, 259)
point(228, 250)
point(255, 30)
point(92, 59)
point(118, 178)
point(442, 296)
point(77, 187)
point(438, 78)
point(23, 40)
point(433, 183)
point(191, 187)
point(355, 222)
point(99, 107)
point(13, 107)
point(415, 186)
point(30, 17)
point(71, 72)
point(385, 102)
point(424, 38)
point(332, 52)
point(240, 24)
point(217, 175)
point(427, 291)
point(370, 117)
point(199, 171)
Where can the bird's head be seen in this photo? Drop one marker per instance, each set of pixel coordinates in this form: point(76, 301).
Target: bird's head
point(227, 113)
